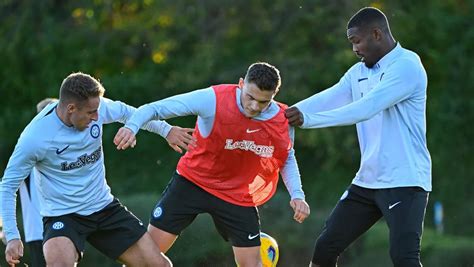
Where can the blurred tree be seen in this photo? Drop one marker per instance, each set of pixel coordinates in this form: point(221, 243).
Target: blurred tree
point(151, 49)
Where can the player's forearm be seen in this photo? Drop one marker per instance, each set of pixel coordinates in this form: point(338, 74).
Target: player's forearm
point(159, 127)
point(382, 97)
point(141, 116)
point(292, 178)
point(334, 97)
point(8, 211)
point(117, 111)
point(199, 102)
point(337, 117)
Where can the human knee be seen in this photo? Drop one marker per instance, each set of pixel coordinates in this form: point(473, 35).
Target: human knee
point(59, 259)
point(406, 252)
point(168, 262)
point(325, 254)
point(59, 262)
point(249, 263)
point(405, 259)
point(147, 258)
point(406, 262)
point(248, 257)
point(140, 261)
point(164, 261)
point(60, 252)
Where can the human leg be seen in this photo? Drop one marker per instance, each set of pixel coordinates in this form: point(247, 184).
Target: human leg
point(36, 253)
point(174, 212)
point(121, 236)
point(353, 215)
point(239, 225)
point(144, 252)
point(60, 252)
point(64, 240)
point(247, 256)
point(163, 239)
point(404, 211)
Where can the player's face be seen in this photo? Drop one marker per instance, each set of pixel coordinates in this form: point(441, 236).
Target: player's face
point(82, 114)
point(365, 45)
point(254, 100)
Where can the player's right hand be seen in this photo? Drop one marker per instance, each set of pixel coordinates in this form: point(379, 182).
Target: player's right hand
point(14, 252)
point(294, 116)
point(125, 138)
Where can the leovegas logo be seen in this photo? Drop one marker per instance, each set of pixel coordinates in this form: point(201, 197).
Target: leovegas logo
point(261, 150)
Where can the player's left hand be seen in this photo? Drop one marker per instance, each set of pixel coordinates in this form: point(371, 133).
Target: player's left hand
point(125, 138)
point(301, 209)
point(181, 138)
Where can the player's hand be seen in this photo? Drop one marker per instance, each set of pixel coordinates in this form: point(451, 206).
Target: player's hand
point(181, 138)
point(294, 116)
point(301, 209)
point(125, 138)
point(14, 251)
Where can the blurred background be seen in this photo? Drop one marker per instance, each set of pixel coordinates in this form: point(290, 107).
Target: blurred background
point(146, 50)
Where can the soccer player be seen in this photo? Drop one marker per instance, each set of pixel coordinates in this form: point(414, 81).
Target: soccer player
point(32, 220)
point(243, 141)
point(385, 96)
point(64, 144)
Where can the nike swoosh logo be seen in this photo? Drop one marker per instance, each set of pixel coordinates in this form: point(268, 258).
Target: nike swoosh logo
point(250, 237)
point(393, 205)
point(252, 131)
point(62, 150)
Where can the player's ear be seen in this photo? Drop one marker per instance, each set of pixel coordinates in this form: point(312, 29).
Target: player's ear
point(71, 107)
point(241, 83)
point(377, 34)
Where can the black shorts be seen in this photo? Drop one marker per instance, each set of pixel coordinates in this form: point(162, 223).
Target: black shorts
point(403, 208)
point(182, 201)
point(111, 230)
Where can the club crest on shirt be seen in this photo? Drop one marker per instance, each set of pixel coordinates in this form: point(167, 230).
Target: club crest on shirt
point(95, 131)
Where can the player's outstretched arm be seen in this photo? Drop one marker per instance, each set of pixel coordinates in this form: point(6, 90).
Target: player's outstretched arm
point(178, 138)
point(14, 251)
point(301, 209)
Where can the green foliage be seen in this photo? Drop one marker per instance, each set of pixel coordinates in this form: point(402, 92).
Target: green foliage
point(148, 50)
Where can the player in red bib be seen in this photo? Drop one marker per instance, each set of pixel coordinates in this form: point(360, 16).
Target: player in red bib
point(243, 141)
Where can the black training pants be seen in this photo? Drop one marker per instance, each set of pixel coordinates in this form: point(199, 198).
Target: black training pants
point(359, 208)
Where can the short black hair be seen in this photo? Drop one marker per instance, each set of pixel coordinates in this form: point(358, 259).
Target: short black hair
point(369, 17)
point(264, 75)
point(80, 87)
